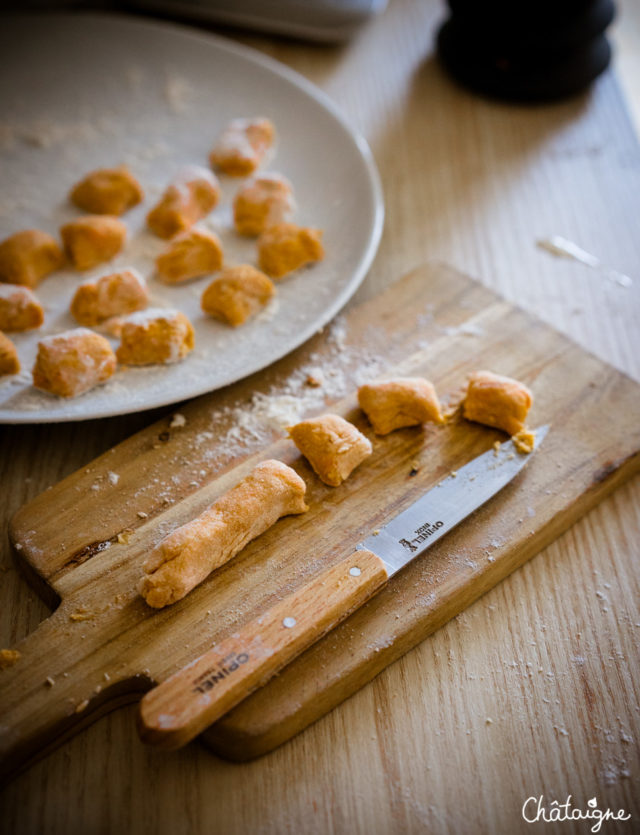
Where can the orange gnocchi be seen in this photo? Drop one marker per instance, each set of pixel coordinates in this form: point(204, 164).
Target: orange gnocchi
point(237, 294)
point(92, 239)
point(405, 401)
point(189, 198)
point(20, 310)
point(242, 146)
point(73, 362)
point(28, 256)
point(497, 401)
point(116, 294)
point(155, 336)
point(263, 201)
point(107, 191)
point(9, 362)
point(189, 255)
point(333, 446)
point(286, 247)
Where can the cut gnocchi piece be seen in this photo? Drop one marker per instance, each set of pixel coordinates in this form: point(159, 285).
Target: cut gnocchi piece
point(192, 194)
point(242, 146)
point(155, 336)
point(107, 191)
point(73, 362)
point(237, 294)
point(9, 362)
point(189, 255)
point(286, 247)
point(116, 294)
point(28, 256)
point(497, 401)
point(190, 553)
point(92, 239)
point(333, 446)
point(405, 401)
point(263, 201)
point(20, 310)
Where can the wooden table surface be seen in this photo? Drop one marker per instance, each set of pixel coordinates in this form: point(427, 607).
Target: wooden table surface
point(532, 691)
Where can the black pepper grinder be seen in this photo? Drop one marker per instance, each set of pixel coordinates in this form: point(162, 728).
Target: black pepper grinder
point(526, 50)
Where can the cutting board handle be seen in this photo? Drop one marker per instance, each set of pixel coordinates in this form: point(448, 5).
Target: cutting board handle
point(176, 711)
point(59, 684)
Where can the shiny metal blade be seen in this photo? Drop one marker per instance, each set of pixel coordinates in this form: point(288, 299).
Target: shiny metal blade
point(447, 504)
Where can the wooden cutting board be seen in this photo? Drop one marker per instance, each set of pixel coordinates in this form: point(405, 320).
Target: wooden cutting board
point(83, 541)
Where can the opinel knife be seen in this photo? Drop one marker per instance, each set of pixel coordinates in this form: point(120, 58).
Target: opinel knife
point(177, 710)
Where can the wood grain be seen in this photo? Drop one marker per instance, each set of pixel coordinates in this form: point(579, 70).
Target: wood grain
point(534, 688)
point(104, 639)
point(180, 708)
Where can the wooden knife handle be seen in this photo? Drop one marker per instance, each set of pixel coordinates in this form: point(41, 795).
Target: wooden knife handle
point(180, 708)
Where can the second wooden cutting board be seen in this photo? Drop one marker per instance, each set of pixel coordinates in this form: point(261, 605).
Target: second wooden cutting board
point(84, 540)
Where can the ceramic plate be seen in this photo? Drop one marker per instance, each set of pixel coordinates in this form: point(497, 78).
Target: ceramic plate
point(82, 92)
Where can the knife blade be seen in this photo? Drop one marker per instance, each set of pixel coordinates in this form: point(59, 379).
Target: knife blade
point(178, 709)
point(443, 507)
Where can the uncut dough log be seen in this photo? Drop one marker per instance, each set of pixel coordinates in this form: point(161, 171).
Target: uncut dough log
point(190, 553)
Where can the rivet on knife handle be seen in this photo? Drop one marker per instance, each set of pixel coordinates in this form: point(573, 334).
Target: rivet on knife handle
point(176, 711)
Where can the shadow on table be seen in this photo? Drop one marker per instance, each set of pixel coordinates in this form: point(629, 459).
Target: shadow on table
point(464, 151)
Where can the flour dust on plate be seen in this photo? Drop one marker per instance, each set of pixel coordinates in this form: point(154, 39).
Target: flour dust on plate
point(93, 91)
